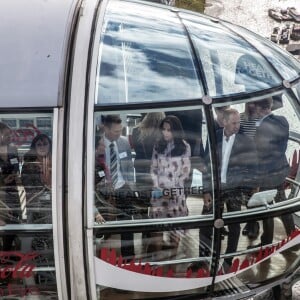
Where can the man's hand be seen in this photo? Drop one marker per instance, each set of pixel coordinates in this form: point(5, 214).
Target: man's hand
point(99, 218)
point(10, 178)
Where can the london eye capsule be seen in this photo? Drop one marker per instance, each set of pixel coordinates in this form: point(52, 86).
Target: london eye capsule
point(145, 152)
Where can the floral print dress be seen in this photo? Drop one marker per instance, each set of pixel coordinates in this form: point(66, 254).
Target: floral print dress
point(169, 174)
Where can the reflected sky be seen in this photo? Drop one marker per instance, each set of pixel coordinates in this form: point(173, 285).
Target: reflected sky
point(241, 67)
point(143, 60)
point(287, 66)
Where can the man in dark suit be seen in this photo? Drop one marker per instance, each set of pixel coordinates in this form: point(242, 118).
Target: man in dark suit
point(237, 171)
point(271, 141)
point(121, 175)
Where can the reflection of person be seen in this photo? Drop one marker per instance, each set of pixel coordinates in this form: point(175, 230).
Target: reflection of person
point(219, 120)
point(191, 121)
point(248, 126)
point(9, 171)
point(248, 119)
point(102, 185)
point(101, 169)
point(170, 168)
point(121, 174)
point(238, 169)
point(36, 172)
point(98, 216)
point(206, 210)
point(271, 142)
point(144, 137)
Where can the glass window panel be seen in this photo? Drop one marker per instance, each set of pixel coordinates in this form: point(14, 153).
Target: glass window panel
point(163, 184)
point(141, 59)
point(245, 192)
point(146, 189)
point(236, 67)
point(31, 265)
point(26, 122)
point(284, 63)
point(149, 167)
point(163, 265)
point(12, 123)
point(26, 238)
point(44, 122)
point(278, 159)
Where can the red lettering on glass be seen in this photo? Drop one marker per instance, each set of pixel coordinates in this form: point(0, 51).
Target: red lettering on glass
point(109, 256)
point(24, 135)
point(22, 269)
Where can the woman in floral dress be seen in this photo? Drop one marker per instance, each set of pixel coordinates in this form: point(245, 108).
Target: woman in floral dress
point(170, 168)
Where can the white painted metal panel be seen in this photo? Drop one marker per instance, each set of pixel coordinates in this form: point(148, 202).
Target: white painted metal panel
point(33, 37)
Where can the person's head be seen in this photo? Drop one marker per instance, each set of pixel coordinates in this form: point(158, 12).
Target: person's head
point(5, 134)
point(250, 109)
point(41, 145)
point(264, 107)
point(231, 119)
point(149, 126)
point(112, 127)
point(219, 113)
point(152, 119)
point(99, 146)
point(171, 128)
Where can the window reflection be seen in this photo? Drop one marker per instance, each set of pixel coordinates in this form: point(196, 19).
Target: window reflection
point(236, 67)
point(10, 202)
point(144, 134)
point(266, 122)
point(286, 66)
point(158, 52)
point(167, 152)
point(25, 199)
point(138, 64)
point(36, 178)
point(242, 174)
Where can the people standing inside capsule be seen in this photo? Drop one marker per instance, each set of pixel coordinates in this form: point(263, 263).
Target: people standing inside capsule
point(36, 178)
point(205, 233)
point(118, 158)
point(249, 119)
point(144, 137)
point(10, 211)
point(219, 120)
point(102, 184)
point(237, 171)
point(191, 121)
point(271, 141)
point(170, 168)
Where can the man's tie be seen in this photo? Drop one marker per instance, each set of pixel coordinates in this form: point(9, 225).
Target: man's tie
point(113, 165)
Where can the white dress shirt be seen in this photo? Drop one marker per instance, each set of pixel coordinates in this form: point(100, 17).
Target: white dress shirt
point(226, 151)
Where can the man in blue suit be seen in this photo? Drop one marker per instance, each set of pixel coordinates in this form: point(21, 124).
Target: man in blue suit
point(271, 141)
point(121, 175)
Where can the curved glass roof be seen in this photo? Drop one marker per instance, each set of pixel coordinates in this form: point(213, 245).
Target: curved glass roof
point(181, 55)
